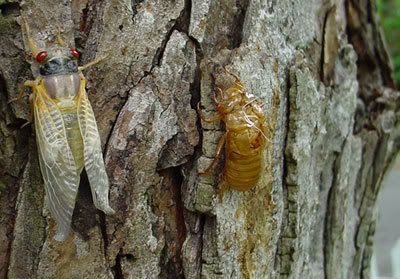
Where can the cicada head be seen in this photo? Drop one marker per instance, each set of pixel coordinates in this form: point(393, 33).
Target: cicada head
point(57, 60)
point(54, 60)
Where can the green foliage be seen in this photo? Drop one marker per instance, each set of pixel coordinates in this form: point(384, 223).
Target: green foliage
point(389, 11)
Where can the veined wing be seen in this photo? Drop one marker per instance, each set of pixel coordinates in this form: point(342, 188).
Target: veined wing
point(56, 161)
point(93, 156)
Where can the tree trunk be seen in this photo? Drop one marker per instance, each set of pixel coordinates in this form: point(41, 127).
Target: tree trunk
point(323, 73)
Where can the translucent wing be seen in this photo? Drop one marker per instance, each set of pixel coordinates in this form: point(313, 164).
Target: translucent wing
point(93, 156)
point(56, 161)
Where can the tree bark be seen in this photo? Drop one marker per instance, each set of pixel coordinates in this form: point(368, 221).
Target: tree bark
point(322, 71)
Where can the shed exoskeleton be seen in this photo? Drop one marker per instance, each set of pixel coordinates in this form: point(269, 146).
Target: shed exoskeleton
point(244, 139)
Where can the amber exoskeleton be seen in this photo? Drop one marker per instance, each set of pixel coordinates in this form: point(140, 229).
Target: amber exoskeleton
point(66, 131)
point(244, 139)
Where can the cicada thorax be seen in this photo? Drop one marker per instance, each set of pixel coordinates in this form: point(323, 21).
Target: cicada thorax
point(62, 86)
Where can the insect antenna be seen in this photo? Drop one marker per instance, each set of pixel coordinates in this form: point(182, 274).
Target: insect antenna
point(60, 40)
point(31, 43)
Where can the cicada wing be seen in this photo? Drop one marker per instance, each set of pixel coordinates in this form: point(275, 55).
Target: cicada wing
point(93, 156)
point(57, 163)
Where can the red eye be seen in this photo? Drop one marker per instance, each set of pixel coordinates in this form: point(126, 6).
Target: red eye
point(74, 53)
point(41, 56)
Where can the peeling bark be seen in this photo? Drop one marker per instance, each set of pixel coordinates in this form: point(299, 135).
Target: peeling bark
point(322, 71)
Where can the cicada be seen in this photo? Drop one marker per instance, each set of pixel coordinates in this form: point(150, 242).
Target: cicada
point(66, 131)
point(244, 138)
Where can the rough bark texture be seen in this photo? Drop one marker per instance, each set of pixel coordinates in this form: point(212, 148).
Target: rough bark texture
point(333, 114)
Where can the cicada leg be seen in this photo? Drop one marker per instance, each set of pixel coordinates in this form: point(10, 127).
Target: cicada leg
point(90, 64)
point(211, 119)
point(28, 83)
point(21, 94)
point(218, 153)
point(30, 116)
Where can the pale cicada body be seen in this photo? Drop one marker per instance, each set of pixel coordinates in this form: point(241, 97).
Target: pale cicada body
point(66, 133)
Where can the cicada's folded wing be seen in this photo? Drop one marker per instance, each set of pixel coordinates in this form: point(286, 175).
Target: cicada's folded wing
point(56, 161)
point(93, 155)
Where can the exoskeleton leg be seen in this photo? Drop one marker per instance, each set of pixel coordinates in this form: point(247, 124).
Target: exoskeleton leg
point(232, 74)
point(211, 119)
point(220, 93)
point(218, 153)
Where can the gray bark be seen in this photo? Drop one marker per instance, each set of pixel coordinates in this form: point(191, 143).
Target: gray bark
point(321, 69)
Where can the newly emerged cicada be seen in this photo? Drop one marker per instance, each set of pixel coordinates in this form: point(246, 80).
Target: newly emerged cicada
point(66, 131)
point(244, 139)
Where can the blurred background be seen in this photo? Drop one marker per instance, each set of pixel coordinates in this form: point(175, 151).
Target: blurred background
point(389, 12)
point(386, 260)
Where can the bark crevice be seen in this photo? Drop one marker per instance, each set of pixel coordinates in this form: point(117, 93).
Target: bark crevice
point(287, 160)
point(12, 200)
point(134, 4)
point(237, 28)
point(10, 8)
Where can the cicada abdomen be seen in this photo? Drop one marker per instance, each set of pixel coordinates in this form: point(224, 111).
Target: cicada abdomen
point(66, 132)
point(244, 138)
